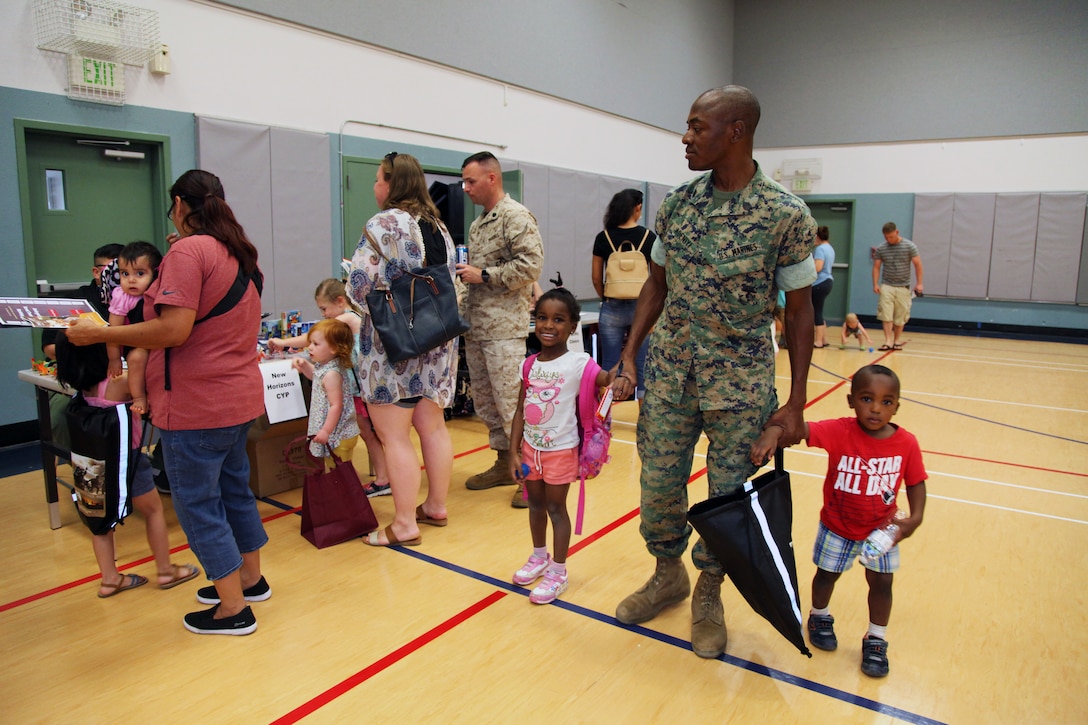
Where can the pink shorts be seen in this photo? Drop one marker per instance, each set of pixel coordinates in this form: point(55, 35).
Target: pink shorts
point(360, 408)
point(554, 467)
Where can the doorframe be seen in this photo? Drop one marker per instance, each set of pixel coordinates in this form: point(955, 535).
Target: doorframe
point(427, 168)
point(160, 160)
point(848, 262)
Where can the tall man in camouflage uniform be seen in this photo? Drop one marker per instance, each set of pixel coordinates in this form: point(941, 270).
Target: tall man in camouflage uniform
point(506, 254)
point(727, 241)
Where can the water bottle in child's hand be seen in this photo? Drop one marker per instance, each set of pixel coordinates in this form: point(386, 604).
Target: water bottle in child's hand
point(878, 544)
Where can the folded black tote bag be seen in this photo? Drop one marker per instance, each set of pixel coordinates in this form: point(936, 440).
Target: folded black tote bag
point(751, 534)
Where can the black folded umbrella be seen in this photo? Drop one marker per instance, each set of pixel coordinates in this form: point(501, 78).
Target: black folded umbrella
point(751, 534)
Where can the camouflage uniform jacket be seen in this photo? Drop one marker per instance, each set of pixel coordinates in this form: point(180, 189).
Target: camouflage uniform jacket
point(719, 268)
point(506, 242)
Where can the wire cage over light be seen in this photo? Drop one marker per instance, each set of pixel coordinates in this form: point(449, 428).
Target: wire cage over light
point(98, 28)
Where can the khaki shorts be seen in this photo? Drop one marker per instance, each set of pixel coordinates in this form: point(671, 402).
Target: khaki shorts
point(894, 305)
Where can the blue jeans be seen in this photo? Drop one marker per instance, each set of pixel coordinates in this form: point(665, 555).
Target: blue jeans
point(209, 481)
point(613, 326)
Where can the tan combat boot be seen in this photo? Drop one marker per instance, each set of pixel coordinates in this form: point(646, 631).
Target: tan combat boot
point(519, 501)
point(708, 634)
point(669, 585)
point(497, 475)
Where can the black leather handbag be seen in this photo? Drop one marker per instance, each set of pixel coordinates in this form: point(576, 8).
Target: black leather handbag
point(417, 312)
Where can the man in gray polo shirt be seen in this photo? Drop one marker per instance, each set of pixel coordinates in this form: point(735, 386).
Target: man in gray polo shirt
point(895, 257)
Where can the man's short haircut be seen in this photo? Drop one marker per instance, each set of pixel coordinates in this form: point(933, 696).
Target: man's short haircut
point(889, 228)
point(737, 101)
point(484, 158)
point(108, 251)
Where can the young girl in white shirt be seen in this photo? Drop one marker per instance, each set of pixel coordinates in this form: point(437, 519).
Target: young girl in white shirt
point(545, 430)
point(333, 301)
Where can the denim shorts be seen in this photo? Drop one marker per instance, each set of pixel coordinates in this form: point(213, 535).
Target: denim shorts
point(143, 480)
point(836, 554)
point(209, 481)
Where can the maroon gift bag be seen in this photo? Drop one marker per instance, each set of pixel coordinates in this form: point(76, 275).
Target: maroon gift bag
point(334, 505)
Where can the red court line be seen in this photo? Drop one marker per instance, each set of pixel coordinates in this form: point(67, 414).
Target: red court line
point(366, 673)
point(124, 567)
point(1006, 463)
point(587, 540)
point(471, 451)
point(390, 659)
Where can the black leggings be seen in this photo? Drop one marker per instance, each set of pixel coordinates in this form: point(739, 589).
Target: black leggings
point(819, 294)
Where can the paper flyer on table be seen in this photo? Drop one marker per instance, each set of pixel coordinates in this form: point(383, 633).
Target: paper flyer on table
point(282, 391)
point(46, 312)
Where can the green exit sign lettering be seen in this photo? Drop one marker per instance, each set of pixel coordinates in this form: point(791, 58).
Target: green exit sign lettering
point(95, 74)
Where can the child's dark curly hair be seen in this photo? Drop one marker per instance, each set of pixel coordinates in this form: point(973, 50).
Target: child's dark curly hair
point(563, 296)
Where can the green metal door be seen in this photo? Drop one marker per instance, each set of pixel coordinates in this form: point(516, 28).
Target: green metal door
point(359, 204)
point(838, 217)
point(80, 199)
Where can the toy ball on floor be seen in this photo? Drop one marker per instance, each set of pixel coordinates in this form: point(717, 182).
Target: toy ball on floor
point(870, 349)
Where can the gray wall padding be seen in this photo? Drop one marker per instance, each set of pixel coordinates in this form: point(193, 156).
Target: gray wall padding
point(1024, 255)
point(277, 183)
point(1016, 218)
point(1057, 256)
point(969, 254)
point(933, 236)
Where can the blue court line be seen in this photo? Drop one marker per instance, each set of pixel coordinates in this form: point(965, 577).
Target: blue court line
point(968, 415)
point(774, 674)
point(816, 687)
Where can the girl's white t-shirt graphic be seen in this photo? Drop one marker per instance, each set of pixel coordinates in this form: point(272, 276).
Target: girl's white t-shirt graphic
point(551, 402)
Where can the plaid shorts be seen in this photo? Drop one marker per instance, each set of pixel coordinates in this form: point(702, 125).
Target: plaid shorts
point(836, 554)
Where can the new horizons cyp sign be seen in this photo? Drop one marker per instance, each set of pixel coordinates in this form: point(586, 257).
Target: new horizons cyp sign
point(94, 79)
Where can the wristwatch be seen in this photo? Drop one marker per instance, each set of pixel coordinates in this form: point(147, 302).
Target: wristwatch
point(485, 277)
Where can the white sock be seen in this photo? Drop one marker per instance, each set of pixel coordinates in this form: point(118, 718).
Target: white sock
point(875, 630)
point(541, 553)
point(559, 568)
point(820, 612)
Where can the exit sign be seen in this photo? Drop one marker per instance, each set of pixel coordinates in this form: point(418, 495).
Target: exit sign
point(802, 185)
point(93, 74)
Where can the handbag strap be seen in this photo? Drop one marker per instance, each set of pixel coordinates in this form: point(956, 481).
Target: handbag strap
point(779, 460)
point(425, 277)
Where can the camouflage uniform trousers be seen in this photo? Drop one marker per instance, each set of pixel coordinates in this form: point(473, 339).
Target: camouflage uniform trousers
point(494, 369)
point(667, 435)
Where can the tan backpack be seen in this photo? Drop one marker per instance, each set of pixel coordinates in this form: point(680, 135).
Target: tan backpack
point(625, 271)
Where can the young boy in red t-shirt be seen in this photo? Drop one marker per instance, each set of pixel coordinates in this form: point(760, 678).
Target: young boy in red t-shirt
point(869, 457)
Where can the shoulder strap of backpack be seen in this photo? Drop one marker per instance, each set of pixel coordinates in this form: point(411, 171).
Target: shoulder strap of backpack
point(610, 242)
point(236, 292)
point(587, 408)
point(526, 367)
point(644, 236)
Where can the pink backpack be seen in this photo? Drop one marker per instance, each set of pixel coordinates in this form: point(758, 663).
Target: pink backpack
point(594, 434)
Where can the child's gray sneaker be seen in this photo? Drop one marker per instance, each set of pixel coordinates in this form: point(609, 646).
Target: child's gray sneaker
point(821, 632)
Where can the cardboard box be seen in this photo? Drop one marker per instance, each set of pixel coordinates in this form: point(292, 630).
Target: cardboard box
point(268, 474)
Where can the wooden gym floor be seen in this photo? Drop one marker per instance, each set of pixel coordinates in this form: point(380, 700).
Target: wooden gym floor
point(989, 624)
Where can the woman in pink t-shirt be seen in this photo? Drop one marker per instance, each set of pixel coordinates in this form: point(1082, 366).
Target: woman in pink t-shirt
point(204, 390)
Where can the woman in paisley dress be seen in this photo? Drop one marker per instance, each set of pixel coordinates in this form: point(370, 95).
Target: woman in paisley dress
point(411, 393)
